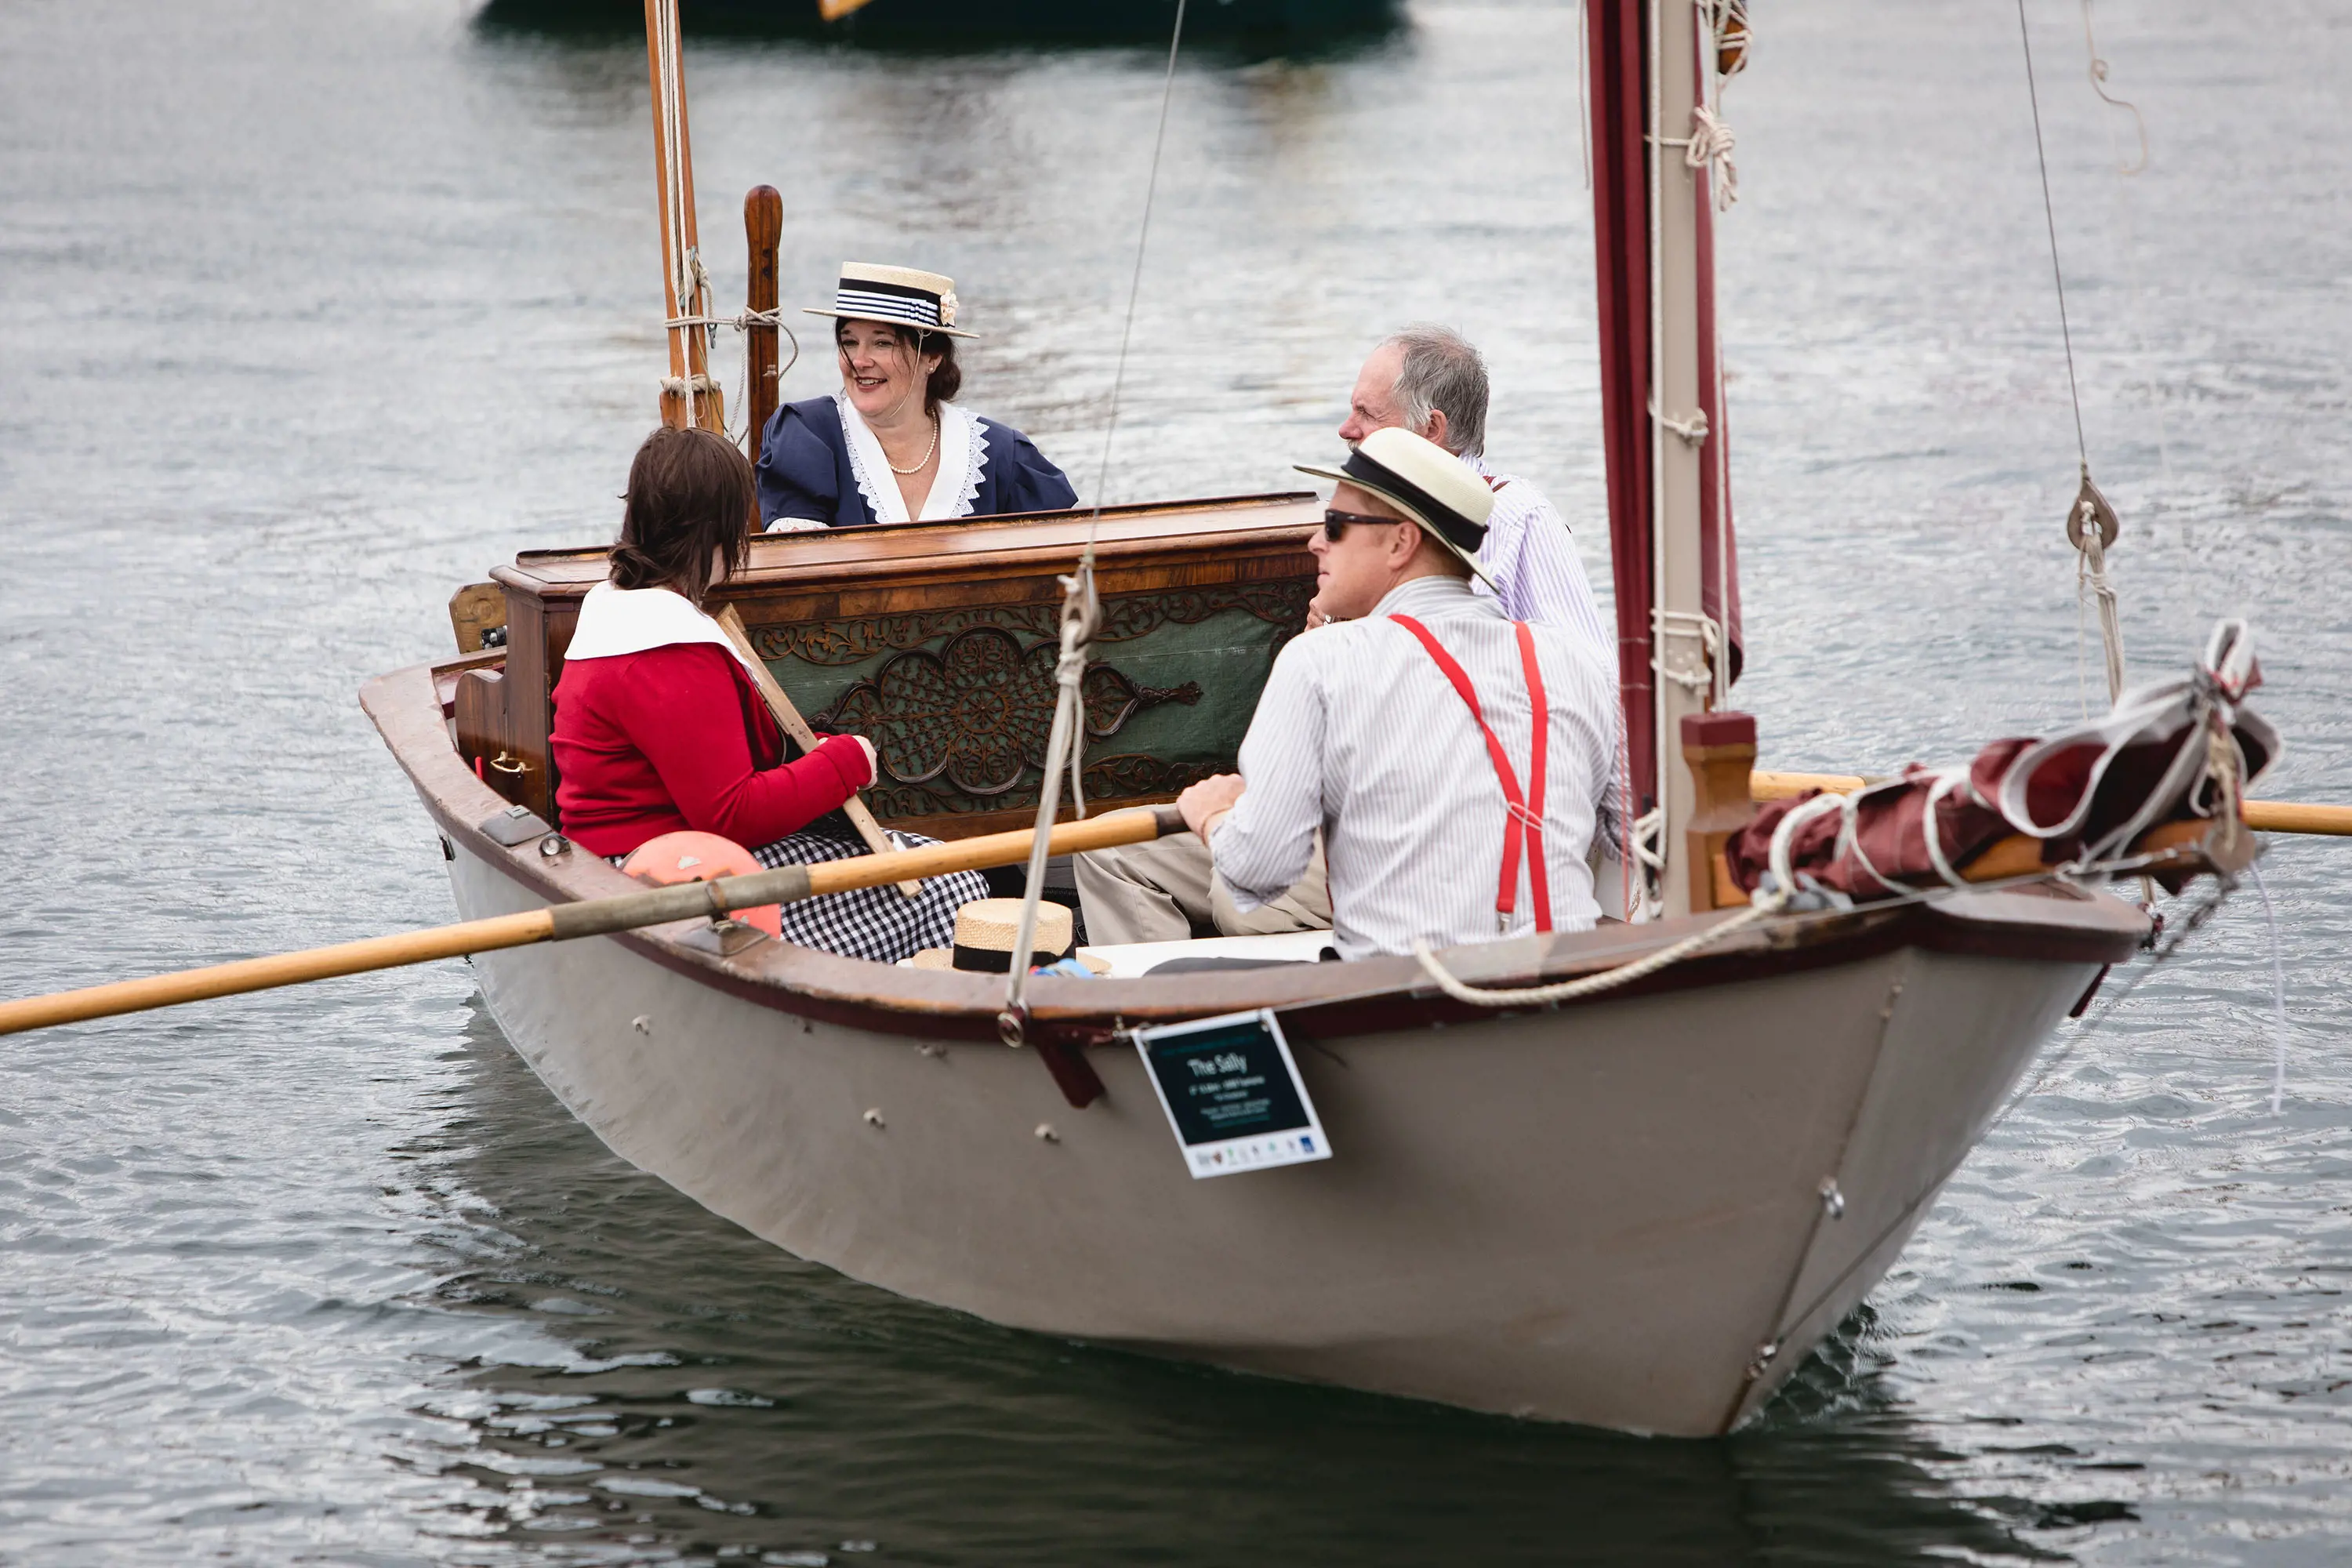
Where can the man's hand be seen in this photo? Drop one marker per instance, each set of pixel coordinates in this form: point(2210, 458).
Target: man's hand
point(1209, 798)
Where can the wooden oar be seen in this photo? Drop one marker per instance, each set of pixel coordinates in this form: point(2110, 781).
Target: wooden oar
point(731, 621)
point(591, 917)
point(2262, 815)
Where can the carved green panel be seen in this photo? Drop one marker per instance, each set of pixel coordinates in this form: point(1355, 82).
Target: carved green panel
point(960, 703)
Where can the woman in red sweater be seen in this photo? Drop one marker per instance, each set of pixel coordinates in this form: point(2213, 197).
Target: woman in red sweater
point(658, 728)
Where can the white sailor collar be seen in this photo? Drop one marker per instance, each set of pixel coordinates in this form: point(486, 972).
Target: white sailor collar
point(615, 621)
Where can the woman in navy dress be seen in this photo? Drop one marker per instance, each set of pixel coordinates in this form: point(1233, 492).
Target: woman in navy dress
point(891, 446)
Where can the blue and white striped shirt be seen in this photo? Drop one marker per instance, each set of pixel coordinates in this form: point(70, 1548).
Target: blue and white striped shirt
point(1534, 562)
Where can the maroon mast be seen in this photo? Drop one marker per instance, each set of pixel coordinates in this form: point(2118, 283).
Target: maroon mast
point(1634, 408)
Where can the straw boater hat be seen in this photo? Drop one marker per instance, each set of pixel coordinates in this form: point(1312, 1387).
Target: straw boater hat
point(984, 932)
point(871, 292)
point(1425, 481)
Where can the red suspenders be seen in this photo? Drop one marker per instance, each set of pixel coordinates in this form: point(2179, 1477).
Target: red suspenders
point(1525, 815)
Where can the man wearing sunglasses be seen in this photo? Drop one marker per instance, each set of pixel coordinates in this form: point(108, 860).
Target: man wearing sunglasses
point(1453, 762)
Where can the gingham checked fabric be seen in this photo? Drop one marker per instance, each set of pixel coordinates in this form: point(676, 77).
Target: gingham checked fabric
point(877, 923)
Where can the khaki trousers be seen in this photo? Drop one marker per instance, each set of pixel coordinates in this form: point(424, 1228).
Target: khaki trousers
point(1158, 891)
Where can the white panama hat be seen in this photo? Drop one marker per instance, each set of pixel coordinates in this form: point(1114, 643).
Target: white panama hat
point(1425, 481)
point(870, 291)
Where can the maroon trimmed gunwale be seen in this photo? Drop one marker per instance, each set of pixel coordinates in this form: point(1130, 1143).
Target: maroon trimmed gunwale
point(1321, 1002)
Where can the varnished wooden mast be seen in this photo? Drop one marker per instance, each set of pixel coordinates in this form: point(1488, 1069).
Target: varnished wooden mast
point(690, 365)
point(764, 229)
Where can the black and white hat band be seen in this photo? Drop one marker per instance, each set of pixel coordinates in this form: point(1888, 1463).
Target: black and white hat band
point(886, 302)
point(1429, 484)
point(1459, 531)
point(870, 291)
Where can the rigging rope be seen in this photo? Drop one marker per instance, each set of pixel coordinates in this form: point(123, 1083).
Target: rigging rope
point(2091, 524)
point(2050, 219)
point(2125, 170)
point(1710, 147)
point(2278, 992)
point(1764, 907)
point(1771, 900)
point(2099, 86)
point(1081, 613)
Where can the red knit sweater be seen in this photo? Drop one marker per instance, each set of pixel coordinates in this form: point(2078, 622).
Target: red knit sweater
point(677, 737)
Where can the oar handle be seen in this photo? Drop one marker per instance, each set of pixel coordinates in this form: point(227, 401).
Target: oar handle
point(591, 916)
point(280, 969)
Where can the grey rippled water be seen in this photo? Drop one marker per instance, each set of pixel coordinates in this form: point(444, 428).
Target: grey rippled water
point(309, 313)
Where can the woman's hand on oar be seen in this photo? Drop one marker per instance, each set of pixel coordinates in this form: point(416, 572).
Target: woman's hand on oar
point(588, 917)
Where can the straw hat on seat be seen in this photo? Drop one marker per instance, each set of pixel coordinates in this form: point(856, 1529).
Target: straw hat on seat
point(984, 933)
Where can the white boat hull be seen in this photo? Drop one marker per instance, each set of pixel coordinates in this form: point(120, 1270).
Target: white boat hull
point(1601, 1215)
point(1611, 1212)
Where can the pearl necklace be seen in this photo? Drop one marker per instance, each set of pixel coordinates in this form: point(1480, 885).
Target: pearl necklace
point(924, 461)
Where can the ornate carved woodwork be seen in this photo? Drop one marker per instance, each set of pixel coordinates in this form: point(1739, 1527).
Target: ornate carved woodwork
point(1281, 604)
point(938, 641)
point(979, 713)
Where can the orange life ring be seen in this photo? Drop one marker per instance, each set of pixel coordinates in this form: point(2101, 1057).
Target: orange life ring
point(675, 858)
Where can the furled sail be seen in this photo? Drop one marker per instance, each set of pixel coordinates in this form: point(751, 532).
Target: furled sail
point(1637, 421)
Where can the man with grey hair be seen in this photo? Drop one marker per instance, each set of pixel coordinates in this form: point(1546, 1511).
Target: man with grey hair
point(1430, 380)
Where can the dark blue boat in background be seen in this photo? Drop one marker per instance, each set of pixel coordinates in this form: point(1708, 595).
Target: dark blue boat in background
point(966, 24)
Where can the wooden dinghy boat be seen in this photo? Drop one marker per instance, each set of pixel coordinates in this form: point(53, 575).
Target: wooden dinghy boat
point(1639, 1212)
point(1639, 1209)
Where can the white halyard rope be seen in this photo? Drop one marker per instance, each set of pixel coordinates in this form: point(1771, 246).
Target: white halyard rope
point(1709, 147)
point(1081, 616)
point(2090, 573)
point(743, 322)
point(1767, 903)
point(1693, 429)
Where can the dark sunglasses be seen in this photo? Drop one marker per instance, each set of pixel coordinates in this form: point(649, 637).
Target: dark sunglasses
point(1334, 523)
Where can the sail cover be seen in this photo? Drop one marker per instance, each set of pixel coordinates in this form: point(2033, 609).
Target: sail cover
point(1618, 50)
